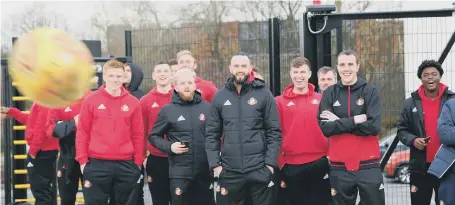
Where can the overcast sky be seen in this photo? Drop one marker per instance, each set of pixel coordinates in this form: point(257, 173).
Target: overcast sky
point(78, 13)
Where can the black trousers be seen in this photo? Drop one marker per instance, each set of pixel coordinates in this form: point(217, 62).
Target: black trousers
point(137, 195)
point(68, 186)
point(367, 182)
point(234, 187)
point(191, 191)
point(278, 194)
point(41, 173)
point(422, 186)
point(307, 183)
point(157, 169)
point(103, 177)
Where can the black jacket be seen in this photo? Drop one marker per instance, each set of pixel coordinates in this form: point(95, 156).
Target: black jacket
point(335, 99)
point(411, 126)
point(346, 102)
point(137, 75)
point(183, 121)
point(249, 126)
point(65, 131)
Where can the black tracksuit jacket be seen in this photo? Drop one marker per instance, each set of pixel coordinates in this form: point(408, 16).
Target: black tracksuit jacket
point(352, 146)
point(183, 121)
point(412, 126)
point(249, 125)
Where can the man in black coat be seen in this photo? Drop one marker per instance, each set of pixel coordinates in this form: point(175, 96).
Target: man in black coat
point(244, 113)
point(183, 123)
point(417, 129)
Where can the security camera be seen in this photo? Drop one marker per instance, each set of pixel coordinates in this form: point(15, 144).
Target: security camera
point(320, 9)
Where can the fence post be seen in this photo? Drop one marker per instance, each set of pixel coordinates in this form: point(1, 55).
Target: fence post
point(128, 44)
point(18, 150)
point(309, 47)
point(447, 49)
point(274, 56)
point(317, 38)
point(6, 134)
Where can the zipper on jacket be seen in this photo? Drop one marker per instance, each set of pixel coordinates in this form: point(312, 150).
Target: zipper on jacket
point(241, 131)
point(349, 101)
point(110, 119)
point(192, 142)
point(305, 111)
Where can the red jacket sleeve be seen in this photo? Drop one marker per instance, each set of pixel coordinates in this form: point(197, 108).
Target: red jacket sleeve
point(39, 131)
point(138, 138)
point(280, 114)
point(211, 90)
point(53, 114)
point(18, 115)
point(83, 132)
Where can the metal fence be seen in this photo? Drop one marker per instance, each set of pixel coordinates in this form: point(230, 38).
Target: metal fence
point(213, 47)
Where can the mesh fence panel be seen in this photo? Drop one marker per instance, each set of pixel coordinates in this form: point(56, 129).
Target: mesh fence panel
point(390, 51)
point(211, 45)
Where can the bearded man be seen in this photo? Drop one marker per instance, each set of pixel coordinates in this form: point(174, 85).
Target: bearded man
point(183, 123)
point(245, 114)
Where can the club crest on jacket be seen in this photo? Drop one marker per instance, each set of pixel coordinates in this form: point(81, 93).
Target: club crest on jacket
point(87, 184)
point(252, 101)
point(360, 101)
point(315, 102)
point(202, 117)
point(125, 108)
point(333, 192)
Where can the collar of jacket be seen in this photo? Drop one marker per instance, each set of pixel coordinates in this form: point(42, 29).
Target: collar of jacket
point(246, 87)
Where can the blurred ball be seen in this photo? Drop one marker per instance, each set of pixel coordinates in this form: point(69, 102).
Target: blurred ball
point(51, 67)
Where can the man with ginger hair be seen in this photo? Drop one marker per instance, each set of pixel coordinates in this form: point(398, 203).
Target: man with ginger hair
point(186, 59)
point(110, 144)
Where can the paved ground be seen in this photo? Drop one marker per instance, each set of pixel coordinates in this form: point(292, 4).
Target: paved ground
point(396, 194)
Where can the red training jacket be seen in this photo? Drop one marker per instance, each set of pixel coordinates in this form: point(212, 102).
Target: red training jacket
point(35, 133)
point(151, 105)
point(431, 109)
point(299, 112)
point(63, 114)
point(206, 88)
point(110, 128)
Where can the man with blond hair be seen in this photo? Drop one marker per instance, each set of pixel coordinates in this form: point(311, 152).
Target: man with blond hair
point(186, 59)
